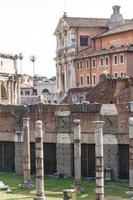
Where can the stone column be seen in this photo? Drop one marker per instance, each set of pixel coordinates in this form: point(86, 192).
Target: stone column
point(65, 77)
point(73, 73)
point(39, 163)
point(60, 84)
point(13, 92)
point(18, 91)
point(26, 153)
point(77, 153)
point(131, 153)
point(99, 160)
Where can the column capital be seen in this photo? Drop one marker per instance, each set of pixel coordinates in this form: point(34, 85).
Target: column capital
point(25, 121)
point(130, 121)
point(76, 122)
point(98, 124)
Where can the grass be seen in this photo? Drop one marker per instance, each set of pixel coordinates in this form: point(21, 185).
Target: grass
point(54, 188)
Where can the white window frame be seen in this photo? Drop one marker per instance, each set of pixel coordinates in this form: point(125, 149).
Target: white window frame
point(121, 75)
point(93, 79)
point(114, 59)
point(82, 80)
point(88, 75)
point(115, 73)
point(105, 60)
point(81, 64)
point(93, 59)
point(124, 74)
point(88, 63)
point(78, 65)
point(120, 59)
point(100, 61)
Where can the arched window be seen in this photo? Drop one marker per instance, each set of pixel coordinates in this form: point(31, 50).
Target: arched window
point(3, 92)
point(45, 90)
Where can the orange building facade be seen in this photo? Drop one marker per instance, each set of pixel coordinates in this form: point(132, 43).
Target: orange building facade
point(110, 53)
point(89, 47)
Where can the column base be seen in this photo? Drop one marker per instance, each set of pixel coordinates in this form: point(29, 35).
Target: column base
point(27, 185)
point(130, 191)
point(40, 198)
point(79, 187)
point(100, 197)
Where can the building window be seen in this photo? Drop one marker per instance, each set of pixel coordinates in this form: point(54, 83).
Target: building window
point(87, 63)
point(121, 58)
point(101, 61)
point(27, 93)
point(81, 65)
point(77, 65)
point(106, 60)
point(55, 101)
point(115, 75)
point(88, 80)
point(94, 79)
point(49, 101)
point(83, 41)
point(115, 59)
point(81, 80)
point(93, 62)
point(123, 74)
point(73, 40)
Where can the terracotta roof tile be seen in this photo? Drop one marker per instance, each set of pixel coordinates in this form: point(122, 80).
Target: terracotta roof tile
point(86, 22)
point(118, 29)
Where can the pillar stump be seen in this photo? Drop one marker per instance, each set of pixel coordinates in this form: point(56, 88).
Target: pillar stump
point(131, 154)
point(99, 160)
point(77, 153)
point(26, 155)
point(39, 162)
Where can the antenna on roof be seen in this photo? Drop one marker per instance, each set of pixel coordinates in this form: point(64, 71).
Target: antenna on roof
point(64, 13)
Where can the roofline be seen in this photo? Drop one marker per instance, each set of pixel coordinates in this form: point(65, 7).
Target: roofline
point(100, 36)
point(61, 19)
point(110, 51)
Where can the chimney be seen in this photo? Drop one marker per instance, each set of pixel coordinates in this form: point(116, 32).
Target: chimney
point(116, 18)
point(116, 9)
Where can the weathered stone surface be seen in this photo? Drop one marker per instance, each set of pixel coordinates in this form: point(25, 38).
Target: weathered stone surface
point(77, 153)
point(19, 158)
point(26, 151)
point(39, 163)
point(99, 160)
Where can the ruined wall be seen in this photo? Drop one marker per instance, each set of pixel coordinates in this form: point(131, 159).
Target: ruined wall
point(58, 128)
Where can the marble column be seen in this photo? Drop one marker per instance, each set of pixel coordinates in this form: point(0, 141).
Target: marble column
point(39, 162)
point(77, 153)
point(65, 77)
point(60, 83)
point(26, 153)
point(73, 74)
point(9, 92)
point(18, 91)
point(99, 160)
point(131, 153)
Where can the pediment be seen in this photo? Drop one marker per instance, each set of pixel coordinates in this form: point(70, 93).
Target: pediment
point(61, 26)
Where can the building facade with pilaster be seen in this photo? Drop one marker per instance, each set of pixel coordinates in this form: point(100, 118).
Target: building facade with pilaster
point(88, 47)
point(9, 80)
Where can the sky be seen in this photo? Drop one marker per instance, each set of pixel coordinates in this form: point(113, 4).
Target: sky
point(27, 26)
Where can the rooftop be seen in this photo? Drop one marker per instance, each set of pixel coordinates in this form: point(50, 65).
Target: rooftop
point(85, 22)
point(122, 28)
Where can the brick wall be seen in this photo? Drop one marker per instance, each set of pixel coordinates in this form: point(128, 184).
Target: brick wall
point(58, 126)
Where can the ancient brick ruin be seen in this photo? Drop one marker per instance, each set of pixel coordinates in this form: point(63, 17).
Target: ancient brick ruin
point(59, 136)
